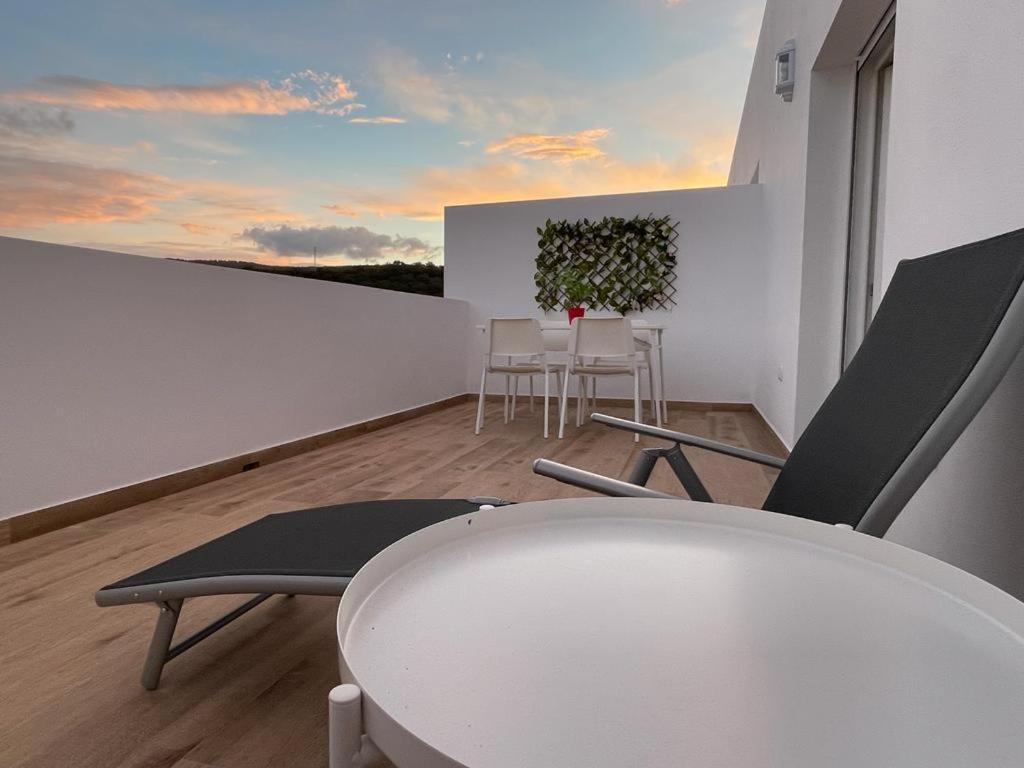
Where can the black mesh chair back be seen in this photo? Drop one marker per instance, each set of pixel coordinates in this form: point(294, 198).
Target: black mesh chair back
point(944, 335)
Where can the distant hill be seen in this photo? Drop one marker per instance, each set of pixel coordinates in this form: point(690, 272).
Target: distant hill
point(427, 279)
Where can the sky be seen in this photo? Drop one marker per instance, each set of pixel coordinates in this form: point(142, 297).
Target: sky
point(259, 130)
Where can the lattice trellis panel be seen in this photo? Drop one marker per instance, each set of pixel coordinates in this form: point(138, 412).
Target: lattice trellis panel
point(628, 263)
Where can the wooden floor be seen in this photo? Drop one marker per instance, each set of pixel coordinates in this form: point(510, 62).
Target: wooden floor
point(255, 694)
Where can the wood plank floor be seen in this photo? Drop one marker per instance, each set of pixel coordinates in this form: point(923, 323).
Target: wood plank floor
point(254, 695)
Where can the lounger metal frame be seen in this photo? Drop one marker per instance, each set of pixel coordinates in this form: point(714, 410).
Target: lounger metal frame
point(169, 597)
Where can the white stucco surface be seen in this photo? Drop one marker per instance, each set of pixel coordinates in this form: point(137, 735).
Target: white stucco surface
point(714, 329)
point(116, 369)
point(953, 177)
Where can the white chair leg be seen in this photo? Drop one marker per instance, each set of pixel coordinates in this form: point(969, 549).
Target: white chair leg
point(507, 385)
point(345, 725)
point(480, 403)
point(655, 410)
point(637, 412)
point(580, 389)
point(563, 406)
point(547, 380)
point(593, 394)
point(515, 391)
point(531, 393)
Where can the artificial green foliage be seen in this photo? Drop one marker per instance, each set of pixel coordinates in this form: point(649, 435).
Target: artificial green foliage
point(626, 264)
point(575, 287)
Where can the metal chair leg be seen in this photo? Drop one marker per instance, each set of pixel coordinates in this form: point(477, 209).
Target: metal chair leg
point(161, 642)
point(644, 466)
point(480, 403)
point(687, 475)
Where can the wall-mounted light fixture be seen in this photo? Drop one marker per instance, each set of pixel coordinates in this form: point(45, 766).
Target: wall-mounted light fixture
point(785, 70)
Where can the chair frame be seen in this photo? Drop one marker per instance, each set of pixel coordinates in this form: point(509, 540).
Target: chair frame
point(629, 360)
point(533, 359)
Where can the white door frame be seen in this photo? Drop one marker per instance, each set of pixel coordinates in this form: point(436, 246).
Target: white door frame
point(867, 195)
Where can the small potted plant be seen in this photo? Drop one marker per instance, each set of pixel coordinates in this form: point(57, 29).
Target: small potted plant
point(576, 291)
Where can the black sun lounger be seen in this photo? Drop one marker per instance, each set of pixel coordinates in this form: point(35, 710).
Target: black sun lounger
point(307, 552)
point(946, 332)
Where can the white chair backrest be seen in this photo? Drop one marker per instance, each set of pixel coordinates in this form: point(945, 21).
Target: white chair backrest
point(556, 340)
point(515, 336)
point(601, 337)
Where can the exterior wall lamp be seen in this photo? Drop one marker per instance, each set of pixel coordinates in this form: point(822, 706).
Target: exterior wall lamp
point(785, 70)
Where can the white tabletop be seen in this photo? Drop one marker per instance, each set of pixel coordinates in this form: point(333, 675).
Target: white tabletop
point(563, 325)
point(613, 632)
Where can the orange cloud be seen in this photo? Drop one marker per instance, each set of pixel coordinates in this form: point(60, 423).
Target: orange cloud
point(496, 181)
point(378, 120)
point(562, 148)
point(342, 210)
point(304, 92)
point(197, 229)
point(35, 193)
point(38, 192)
point(220, 201)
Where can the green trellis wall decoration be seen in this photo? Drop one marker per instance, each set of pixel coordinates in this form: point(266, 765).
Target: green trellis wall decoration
point(628, 263)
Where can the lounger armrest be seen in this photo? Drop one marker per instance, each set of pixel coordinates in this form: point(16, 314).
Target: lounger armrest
point(683, 439)
point(594, 482)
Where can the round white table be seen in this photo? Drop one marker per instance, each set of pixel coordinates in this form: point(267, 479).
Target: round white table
point(624, 632)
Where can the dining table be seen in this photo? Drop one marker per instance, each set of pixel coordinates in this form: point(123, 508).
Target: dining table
point(601, 633)
point(649, 338)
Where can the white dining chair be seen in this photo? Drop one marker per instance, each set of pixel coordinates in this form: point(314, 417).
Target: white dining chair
point(598, 347)
point(586, 399)
point(515, 348)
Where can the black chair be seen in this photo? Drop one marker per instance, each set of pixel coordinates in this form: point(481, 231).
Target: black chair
point(947, 330)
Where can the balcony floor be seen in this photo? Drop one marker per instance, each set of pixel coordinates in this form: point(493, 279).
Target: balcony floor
point(255, 695)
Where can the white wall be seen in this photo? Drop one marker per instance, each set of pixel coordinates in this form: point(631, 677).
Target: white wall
point(773, 138)
point(954, 177)
point(116, 369)
point(715, 328)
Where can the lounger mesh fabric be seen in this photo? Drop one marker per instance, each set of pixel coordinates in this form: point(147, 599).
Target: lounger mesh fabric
point(933, 325)
point(327, 541)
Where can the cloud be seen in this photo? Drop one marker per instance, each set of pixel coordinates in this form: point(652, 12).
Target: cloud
point(221, 200)
point(355, 243)
point(342, 210)
point(383, 120)
point(34, 122)
point(524, 97)
point(307, 91)
point(427, 192)
point(414, 91)
point(197, 229)
point(38, 192)
point(562, 148)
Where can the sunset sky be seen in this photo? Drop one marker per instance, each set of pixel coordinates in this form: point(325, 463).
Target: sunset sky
point(255, 130)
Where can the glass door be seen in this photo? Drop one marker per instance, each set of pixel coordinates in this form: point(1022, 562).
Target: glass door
point(867, 203)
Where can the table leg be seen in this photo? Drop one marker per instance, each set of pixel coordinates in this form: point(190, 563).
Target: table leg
point(661, 380)
point(345, 725)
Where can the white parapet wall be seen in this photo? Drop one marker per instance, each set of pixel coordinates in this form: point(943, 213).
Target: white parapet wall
point(116, 369)
point(714, 330)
